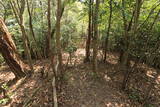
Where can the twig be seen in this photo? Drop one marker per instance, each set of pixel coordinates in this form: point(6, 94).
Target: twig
point(54, 92)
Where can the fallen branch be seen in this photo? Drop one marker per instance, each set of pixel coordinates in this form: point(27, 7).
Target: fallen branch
point(54, 92)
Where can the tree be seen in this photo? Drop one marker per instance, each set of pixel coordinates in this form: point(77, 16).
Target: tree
point(88, 41)
point(58, 37)
point(62, 11)
point(133, 32)
point(95, 37)
point(48, 39)
point(18, 10)
point(8, 51)
point(30, 13)
point(108, 30)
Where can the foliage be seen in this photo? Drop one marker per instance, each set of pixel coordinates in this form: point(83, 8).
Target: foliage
point(1, 59)
point(4, 101)
point(71, 49)
point(134, 95)
point(149, 105)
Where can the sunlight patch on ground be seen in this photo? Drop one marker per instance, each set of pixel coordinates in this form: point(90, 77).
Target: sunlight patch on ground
point(158, 80)
point(37, 68)
point(6, 76)
point(80, 52)
point(2, 67)
point(112, 58)
point(150, 73)
point(107, 78)
point(111, 104)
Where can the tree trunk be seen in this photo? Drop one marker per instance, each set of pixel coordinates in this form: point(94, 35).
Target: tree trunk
point(108, 31)
point(38, 54)
point(95, 38)
point(58, 41)
point(8, 51)
point(88, 42)
point(124, 51)
point(48, 38)
point(54, 29)
point(25, 43)
point(125, 57)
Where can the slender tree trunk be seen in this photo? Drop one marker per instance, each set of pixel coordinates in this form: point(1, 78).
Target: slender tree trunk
point(95, 38)
point(38, 55)
point(30, 20)
point(155, 19)
point(108, 31)
point(128, 28)
point(54, 29)
point(8, 51)
point(88, 41)
point(27, 51)
point(149, 15)
point(48, 38)
point(124, 55)
point(58, 37)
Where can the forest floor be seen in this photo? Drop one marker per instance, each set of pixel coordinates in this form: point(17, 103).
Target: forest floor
point(82, 87)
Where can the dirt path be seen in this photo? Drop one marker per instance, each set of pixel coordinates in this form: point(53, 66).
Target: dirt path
point(83, 88)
